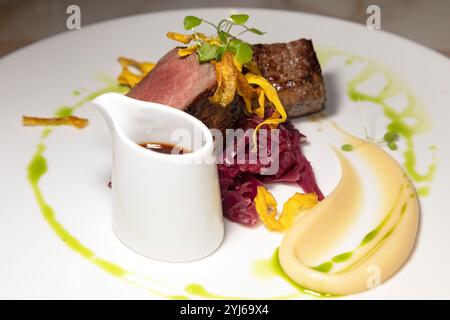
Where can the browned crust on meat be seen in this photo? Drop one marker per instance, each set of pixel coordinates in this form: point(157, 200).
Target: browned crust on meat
point(213, 116)
point(294, 71)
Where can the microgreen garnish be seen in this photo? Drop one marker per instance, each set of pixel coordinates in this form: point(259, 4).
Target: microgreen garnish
point(390, 138)
point(191, 22)
point(214, 48)
point(239, 18)
point(243, 52)
point(207, 52)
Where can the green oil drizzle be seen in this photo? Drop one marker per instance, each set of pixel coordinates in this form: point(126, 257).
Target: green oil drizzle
point(36, 170)
point(347, 147)
point(324, 267)
point(415, 111)
point(423, 191)
point(378, 245)
point(68, 110)
point(262, 268)
point(64, 111)
point(343, 257)
point(270, 268)
point(46, 132)
point(372, 234)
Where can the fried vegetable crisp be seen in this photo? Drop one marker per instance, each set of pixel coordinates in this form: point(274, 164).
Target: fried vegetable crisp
point(266, 207)
point(73, 121)
point(129, 78)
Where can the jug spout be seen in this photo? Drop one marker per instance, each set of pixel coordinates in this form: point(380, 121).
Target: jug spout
point(137, 121)
point(109, 105)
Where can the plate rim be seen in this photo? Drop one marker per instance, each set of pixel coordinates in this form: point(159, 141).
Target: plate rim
point(354, 24)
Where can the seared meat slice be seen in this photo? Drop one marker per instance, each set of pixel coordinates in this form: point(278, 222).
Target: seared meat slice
point(294, 71)
point(186, 84)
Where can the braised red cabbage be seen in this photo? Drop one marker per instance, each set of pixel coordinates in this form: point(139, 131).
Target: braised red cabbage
point(238, 182)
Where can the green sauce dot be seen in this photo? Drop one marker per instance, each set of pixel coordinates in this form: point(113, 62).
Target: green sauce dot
point(347, 147)
point(342, 257)
point(324, 267)
point(64, 111)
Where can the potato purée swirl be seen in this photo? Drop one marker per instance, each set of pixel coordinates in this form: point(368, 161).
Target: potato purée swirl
point(385, 248)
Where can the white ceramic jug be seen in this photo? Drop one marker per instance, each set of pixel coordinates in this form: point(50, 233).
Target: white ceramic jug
point(165, 206)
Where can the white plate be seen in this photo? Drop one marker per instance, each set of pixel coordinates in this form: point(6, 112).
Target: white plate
point(36, 263)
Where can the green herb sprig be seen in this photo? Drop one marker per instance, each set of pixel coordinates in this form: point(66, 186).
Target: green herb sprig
point(241, 50)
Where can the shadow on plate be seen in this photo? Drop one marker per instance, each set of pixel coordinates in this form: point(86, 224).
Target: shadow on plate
point(333, 93)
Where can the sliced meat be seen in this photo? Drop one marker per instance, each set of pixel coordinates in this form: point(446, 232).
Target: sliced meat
point(294, 71)
point(186, 84)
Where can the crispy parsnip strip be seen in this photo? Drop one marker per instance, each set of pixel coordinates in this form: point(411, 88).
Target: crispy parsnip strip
point(73, 121)
point(127, 77)
point(266, 207)
point(226, 76)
